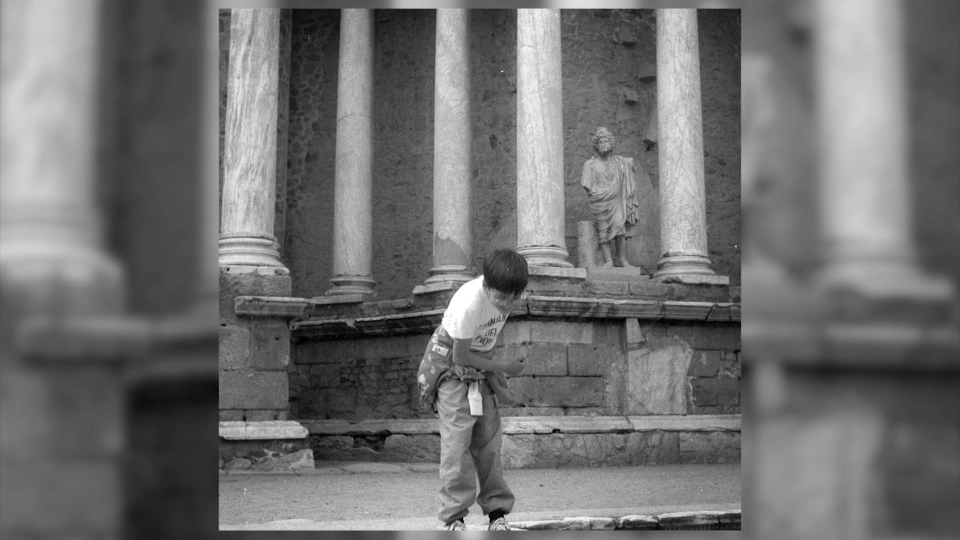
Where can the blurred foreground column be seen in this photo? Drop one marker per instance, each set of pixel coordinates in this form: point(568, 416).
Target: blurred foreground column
point(62, 426)
point(353, 194)
point(683, 210)
point(540, 187)
point(250, 143)
point(452, 169)
point(51, 233)
point(864, 137)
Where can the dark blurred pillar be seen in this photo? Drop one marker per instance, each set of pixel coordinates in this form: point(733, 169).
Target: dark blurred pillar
point(540, 186)
point(683, 210)
point(864, 140)
point(250, 143)
point(452, 147)
point(62, 427)
point(353, 197)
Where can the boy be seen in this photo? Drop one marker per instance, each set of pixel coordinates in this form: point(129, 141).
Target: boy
point(459, 379)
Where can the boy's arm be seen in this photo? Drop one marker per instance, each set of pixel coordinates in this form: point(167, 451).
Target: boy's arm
point(463, 356)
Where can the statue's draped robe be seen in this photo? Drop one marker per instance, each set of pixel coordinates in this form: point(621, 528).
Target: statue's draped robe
point(613, 196)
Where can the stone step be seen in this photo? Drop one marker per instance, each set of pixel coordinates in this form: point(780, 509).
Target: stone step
point(542, 441)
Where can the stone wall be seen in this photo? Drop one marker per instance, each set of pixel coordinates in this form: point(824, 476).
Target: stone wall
point(581, 367)
point(609, 78)
point(254, 352)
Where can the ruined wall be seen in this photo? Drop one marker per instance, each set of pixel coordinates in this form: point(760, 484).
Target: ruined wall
point(609, 75)
point(594, 367)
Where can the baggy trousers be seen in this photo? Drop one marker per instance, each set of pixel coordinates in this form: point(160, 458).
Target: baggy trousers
point(469, 450)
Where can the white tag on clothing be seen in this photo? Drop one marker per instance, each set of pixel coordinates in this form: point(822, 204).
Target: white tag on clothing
point(475, 399)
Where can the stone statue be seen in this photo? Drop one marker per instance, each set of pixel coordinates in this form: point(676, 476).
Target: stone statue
point(608, 180)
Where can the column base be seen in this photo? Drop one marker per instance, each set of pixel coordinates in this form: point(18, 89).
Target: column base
point(352, 284)
point(449, 273)
point(688, 269)
point(883, 281)
point(250, 251)
point(545, 256)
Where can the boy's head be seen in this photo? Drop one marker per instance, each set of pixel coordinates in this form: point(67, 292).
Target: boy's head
point(505, 271)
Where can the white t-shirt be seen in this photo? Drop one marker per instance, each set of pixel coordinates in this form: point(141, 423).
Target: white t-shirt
point(471, 314)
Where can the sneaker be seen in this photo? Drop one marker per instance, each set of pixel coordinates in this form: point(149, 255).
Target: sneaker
point(499, 524)
point(456, 525)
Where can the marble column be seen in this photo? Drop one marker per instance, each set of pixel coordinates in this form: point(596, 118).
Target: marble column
point(52, 251)
point(540, 186)
point(864, 137)
point(683, 209)
point(250, 142)
point(353, 198)
point(452, 151)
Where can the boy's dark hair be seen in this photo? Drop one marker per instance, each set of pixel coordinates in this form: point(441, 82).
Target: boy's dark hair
point(506, 271)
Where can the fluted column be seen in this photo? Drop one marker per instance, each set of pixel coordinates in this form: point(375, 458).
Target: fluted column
point(683, 211)
point(353, 198)
point(865, 196)
point(250, 142)
point(540, 187)
point(51, 232)
point(452, 148)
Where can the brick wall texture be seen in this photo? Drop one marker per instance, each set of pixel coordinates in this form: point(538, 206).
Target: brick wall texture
point(573, 367)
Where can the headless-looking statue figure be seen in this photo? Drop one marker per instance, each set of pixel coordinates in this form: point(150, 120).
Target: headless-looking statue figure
point(608, 180)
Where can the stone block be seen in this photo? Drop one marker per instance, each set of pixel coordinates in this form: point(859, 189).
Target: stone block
point(531, 411)
point(559, 391)
point(728, 393)
point(714, 336)
point(704, 364)
point(710, 447)
point(653, 448)
point(704, 392)
point(730, 364)
point(590, 411)
point(515, 332)
point(234, 346)
point(335, 351)
point(411, 448)
point(260, 415)
point(331, 448)
point(392, 347)
point(633, 331)
point(689, 520)
point(657, 379)
point(269, 345)
point(231, 415)
point(608, 288)
point(545, 359)
point(636, 522)
point(608, 332)
point(583, 523)
point(338, 399)
point(234, 285)
point(558, 272)
point(561, 332)
point(591, 359)
point(253, 390)
point(261, 431)
point(323, 375)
